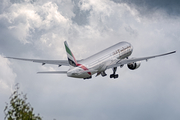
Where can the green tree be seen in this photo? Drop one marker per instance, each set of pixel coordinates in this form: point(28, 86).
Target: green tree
point(18, 108)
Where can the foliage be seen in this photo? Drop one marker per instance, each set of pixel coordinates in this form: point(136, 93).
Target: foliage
point(19, 109)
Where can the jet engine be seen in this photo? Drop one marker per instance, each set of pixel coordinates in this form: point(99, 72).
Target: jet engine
point(133, 66)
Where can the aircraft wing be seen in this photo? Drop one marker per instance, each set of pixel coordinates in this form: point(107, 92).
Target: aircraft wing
point(127, 61)
point(54, 72)
point(55, 62)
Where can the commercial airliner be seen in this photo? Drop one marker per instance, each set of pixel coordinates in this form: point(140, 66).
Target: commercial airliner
point(112, 57)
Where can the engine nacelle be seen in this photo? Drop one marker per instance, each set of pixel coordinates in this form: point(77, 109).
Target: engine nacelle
point(133, 66)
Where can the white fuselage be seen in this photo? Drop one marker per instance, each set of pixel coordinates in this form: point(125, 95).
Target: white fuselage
point(98, 63)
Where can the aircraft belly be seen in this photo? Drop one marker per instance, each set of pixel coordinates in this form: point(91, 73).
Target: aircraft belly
point(99, 68)
point(82, 75)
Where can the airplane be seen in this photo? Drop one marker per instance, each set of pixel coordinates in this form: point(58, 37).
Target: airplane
point(112, 57)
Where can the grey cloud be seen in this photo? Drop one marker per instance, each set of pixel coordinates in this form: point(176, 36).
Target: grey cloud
point(171, 7)
point(81, 16)
point(9, 44)
point(21, 1)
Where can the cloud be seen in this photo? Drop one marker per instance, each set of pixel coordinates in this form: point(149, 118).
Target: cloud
point(30, 23)
point(81, 16)
point(27, 17)
point(7, 81)
point(146, 7)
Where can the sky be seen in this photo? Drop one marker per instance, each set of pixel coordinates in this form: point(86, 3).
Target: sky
point(38, 28)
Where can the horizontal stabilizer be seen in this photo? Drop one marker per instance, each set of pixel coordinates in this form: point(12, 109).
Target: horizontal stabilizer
point(54, 72)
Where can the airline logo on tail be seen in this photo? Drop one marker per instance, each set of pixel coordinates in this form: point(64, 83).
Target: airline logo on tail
point(71, 59)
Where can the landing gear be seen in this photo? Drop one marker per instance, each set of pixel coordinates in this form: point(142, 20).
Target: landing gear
point(103, 74)
point(114, 75)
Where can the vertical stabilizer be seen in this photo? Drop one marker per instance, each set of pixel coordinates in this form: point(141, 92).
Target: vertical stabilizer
point(71, 59)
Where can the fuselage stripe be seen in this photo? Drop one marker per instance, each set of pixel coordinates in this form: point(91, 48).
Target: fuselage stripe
point(83, 67)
